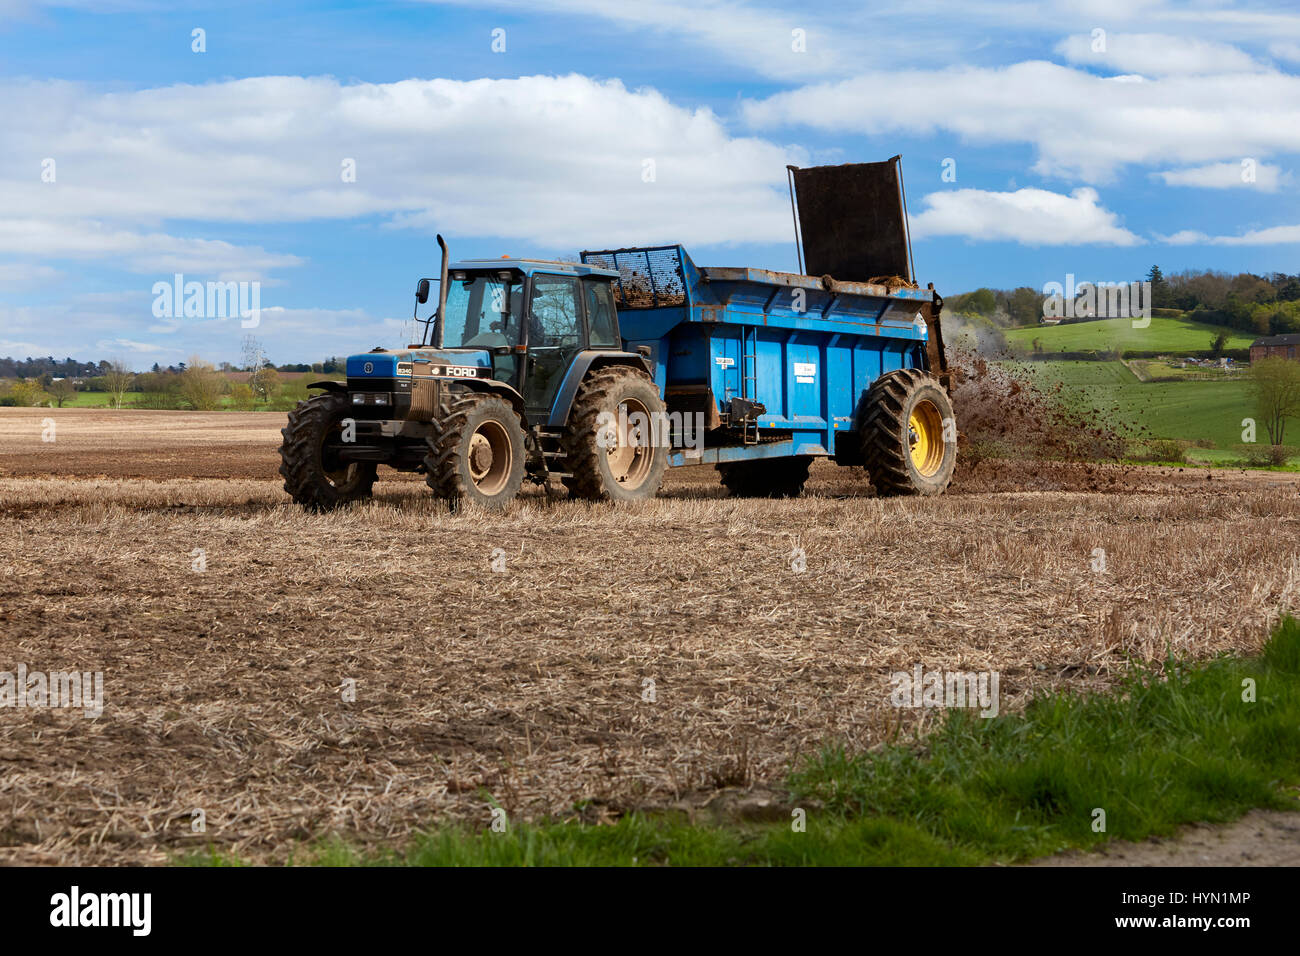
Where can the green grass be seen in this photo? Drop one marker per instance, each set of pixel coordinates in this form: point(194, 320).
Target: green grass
point(1190, 411)
point(1163, 334)
point(96, 400)
point(1177, 744)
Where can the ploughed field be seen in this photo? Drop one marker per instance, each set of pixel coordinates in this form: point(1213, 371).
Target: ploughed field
point(560, 660)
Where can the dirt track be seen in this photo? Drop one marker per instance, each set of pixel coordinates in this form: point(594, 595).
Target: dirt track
point(222, 686)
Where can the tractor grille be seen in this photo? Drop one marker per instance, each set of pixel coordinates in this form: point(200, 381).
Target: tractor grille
point(649, 278)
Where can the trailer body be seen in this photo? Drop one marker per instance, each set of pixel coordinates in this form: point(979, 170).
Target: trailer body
point(798, 352)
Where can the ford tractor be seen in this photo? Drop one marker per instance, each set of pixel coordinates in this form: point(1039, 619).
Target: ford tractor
point(605, 372)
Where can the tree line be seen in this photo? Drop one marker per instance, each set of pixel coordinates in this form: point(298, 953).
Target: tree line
point(1257, 304)
point(196, 384)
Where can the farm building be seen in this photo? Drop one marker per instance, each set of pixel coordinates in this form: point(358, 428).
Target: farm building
point(1276, 346)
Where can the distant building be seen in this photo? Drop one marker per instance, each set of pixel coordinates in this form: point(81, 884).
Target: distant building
point(1276, 346)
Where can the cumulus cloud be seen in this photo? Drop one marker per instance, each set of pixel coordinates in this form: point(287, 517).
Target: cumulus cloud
point(558, 161)
point(1035, 217)
point(1083, 126)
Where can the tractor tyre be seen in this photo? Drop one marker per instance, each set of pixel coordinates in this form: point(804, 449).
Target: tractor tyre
point(766, 478)
point(313, 473)
point(476, 451)
point(908, 434)
point(613, 446)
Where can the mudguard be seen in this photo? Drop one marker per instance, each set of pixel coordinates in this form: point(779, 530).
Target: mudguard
point(583, 363)
point(340, 388)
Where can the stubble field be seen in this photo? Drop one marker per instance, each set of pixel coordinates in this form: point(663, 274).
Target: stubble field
point(560, 660)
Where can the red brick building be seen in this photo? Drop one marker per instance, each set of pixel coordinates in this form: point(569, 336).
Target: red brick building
point(1276, 346)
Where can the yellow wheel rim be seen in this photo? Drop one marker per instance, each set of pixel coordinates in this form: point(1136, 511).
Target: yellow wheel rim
point(925, 438)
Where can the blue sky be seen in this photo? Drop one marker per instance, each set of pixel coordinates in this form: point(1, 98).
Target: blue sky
point(1092, 137)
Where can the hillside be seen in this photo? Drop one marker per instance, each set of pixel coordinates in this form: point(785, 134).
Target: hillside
point(1170, 335)
point(1191, 411)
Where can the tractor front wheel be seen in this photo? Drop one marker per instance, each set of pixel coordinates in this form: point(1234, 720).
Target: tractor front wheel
point(908, 431)
point(615, 448)
point(314, 474)
point(476, 452)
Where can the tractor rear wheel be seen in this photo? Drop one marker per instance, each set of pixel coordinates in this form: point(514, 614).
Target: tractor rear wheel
point(907, 446)
point(613, 447)
point(766, 478)
point(476, 451)
point(314, 474)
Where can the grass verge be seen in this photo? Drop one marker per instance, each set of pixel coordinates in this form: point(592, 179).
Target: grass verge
point(1178, 743)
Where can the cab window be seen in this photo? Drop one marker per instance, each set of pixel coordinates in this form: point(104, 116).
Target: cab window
point(600, 315)
point(555, 321)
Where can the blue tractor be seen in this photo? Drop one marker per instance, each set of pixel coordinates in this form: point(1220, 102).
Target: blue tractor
point(605, 372)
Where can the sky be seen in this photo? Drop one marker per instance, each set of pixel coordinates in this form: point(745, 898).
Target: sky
point(315, 149)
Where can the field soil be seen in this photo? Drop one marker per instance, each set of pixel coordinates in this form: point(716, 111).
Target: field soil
point(392, 666)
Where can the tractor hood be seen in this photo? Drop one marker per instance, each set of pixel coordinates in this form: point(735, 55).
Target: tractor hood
point(392, 363)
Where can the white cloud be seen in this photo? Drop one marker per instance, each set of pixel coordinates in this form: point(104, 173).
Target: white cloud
point(755, 35)
point(558, 161)
point(1267, 177)
point(23, 275)
point(150, 253)
point(845, 34)
point(1157, 54)
point(1285, 51)
point(1034, 217)
point(1082, 126)
point(1271, 236)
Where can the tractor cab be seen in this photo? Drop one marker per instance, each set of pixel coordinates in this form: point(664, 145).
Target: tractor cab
point(526, 319)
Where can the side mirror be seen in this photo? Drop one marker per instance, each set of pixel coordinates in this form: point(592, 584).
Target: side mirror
point(422, 292)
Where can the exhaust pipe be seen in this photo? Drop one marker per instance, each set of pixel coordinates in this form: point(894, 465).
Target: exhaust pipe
point(442, 295)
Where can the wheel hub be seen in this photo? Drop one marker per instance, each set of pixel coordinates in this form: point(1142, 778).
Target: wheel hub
point(480, 456)
point(631, 453)
point(925, 438)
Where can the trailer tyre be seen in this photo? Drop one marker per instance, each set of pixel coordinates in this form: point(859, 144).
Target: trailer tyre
point(908, 434)
point(476, 451)
point(766, 478)
point(314, 475)
point(612, 446)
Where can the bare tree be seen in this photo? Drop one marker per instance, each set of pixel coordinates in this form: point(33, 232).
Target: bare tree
point(117, 381)
point(1275, 383)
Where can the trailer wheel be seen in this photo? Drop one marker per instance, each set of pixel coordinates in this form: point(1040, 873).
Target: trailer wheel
point(905, 430)
point(766, 478)
point(476, 451)
point(613, 448)
point(314, 475)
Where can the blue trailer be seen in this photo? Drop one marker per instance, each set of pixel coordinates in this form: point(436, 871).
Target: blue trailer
point(603, 373)
point(782, 362)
